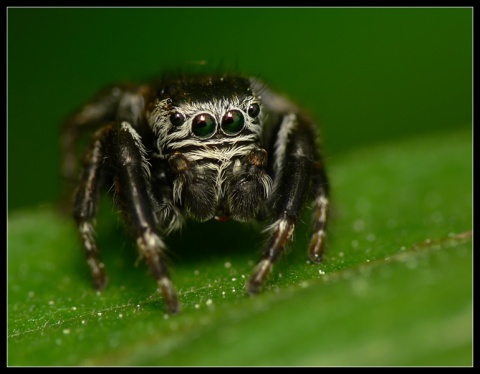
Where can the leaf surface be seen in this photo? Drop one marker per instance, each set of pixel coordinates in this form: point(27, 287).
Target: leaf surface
point(395, 287)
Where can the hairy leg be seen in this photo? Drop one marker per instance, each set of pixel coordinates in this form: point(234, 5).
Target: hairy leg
point(133, 189)
point(86, 204)
point(294, 157)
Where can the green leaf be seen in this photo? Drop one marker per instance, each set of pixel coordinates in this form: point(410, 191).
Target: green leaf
point(395, 287)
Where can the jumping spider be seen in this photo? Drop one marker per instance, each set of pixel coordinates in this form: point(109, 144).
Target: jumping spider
point(203, 147)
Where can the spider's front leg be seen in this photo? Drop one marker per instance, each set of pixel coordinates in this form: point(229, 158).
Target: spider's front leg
point(298, 172)
point(126, 155)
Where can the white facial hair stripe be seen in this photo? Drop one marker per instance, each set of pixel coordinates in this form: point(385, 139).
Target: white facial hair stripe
point(167, 139)
point(209, 143)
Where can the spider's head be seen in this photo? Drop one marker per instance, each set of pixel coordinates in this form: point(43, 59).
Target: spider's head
point(205, 108)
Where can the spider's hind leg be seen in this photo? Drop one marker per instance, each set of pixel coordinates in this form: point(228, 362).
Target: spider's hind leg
point(86, 202)
point(101, 110)
point(320, 214)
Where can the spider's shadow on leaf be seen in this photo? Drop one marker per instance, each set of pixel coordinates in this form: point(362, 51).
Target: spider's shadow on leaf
point(198, 245)
point(202, 241)
point(196, 242)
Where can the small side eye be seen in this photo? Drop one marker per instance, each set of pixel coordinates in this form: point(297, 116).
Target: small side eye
point(177, 119)
point(253, 110)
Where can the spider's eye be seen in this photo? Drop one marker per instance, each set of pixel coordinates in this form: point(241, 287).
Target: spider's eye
point(254, 110)
point(204, 125)
point(177, 119)
point(233, 122)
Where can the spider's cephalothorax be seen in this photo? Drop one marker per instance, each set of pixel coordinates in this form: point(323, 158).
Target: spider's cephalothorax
point(201, 147)
point(209, 132)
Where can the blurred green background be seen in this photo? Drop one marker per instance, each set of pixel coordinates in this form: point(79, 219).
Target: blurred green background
point(368, 74)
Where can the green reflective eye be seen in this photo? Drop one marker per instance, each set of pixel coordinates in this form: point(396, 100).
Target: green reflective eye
point(204, 125)
point(233, 122)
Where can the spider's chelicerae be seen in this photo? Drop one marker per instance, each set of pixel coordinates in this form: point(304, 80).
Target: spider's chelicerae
point(200, 147)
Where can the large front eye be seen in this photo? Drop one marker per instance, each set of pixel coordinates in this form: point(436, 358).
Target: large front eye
point(233, 122)
point(204, 125)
